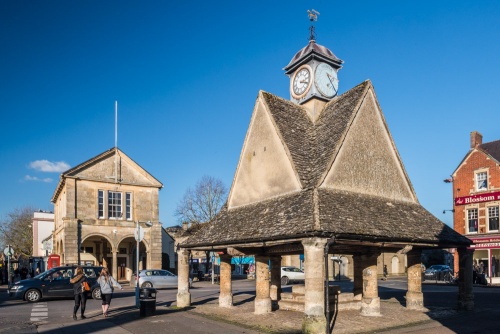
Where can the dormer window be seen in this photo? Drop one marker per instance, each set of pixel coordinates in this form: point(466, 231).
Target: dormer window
point(481, 181)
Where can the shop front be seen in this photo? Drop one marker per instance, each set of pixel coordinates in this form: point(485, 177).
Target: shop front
point(486, 256)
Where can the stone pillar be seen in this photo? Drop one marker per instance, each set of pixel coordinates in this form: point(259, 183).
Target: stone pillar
point(370, 302)
point(414, 295)
point(262, 297)
point(183, 294)
point(226, 294)
point(98, 253)
point(114, 270)
point(465, 294)
point(275, 279)
point(314, 300)
point(358, 277)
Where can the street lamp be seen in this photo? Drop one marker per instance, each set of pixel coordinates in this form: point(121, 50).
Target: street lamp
point(139, 235)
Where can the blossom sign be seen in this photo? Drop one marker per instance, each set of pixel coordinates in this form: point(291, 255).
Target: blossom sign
point(494, 196)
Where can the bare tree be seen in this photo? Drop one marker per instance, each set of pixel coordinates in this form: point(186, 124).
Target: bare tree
point(202, 203)
point(16, 230)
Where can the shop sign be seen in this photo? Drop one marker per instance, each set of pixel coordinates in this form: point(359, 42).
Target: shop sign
point(486, 245)
point(494, 196)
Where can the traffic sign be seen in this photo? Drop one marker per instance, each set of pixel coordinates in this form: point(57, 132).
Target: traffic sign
point(141, 234)
point(8, 251)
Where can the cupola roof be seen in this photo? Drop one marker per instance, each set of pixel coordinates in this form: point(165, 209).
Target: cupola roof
point(309, 51)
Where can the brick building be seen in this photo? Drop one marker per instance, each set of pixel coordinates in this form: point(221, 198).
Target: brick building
point(96, 207)
point(476, 196)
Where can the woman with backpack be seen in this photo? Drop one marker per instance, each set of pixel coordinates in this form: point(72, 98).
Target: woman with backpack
point(107, 282)
point(79, 281)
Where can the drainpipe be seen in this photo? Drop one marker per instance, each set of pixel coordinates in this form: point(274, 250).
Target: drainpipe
point(330, 242)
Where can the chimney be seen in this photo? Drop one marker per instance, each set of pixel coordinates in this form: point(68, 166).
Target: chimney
point(185, 226)
point(476, 139)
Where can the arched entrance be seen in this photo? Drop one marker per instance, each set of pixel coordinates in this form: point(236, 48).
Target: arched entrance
point(126, 258)
point(96, 250)
point(395, 265)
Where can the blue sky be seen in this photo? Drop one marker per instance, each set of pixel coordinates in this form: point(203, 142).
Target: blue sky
point(186, 75)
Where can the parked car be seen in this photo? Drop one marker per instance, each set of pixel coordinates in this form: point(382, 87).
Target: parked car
point(437, 272)
point(291, 274)
point(54, 283)
point(158, 278)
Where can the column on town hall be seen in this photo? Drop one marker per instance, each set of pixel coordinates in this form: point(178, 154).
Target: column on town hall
point(115, 263)
point(314, 300)
point(226, 293)
point(414, 295)
point(275, 279)
point(262, 297)
point(358, 277)
point(370, 301)
point(183, 294)
point(98, 253)
point(465, 294)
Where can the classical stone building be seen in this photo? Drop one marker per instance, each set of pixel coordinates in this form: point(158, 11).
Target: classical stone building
point(321, 175)
point(97, 205)
point(476, 198)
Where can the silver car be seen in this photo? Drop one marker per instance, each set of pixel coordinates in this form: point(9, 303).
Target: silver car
point(158, 278)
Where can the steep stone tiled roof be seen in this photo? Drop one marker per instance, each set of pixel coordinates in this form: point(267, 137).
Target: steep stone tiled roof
point(297, 131)
point(267, 220)
point(352, 216)
point(492, 148)
point(348, 214)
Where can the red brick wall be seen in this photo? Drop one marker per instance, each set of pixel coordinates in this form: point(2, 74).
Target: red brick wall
point(464, 179)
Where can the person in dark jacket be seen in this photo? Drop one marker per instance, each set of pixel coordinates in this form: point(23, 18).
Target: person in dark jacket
point(80, 293)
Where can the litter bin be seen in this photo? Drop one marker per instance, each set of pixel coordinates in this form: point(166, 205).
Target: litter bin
point(147, 301)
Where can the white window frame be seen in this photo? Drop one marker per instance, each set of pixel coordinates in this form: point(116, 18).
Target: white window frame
point(492, 214)
point(112, 212)
point(480, 179)
point(101, 207)
point(470, 216)
point(128, 205)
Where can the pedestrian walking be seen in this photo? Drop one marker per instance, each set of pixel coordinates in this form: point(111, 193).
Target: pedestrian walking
point(79, 281)
point(107, 284)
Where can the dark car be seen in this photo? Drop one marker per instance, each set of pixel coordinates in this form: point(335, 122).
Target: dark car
point(437, 272)
point(54, 283)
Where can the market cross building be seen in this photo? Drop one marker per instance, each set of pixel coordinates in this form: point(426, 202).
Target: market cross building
point(97, 205)
point(319, 175)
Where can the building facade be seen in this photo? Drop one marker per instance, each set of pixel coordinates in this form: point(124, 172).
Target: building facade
point(476, 198)
point(99, 206)
point(43, 226)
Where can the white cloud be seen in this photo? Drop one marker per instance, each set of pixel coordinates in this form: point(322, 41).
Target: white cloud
point(48, 166)
point(34, 178)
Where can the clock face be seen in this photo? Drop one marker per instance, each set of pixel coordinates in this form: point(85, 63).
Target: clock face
point(301, 81)
point(326, 80)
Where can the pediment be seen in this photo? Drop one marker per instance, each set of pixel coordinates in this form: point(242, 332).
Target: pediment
point(367, 161)
point(265, 169)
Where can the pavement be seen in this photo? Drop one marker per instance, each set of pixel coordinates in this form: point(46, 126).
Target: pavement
point(205, 316)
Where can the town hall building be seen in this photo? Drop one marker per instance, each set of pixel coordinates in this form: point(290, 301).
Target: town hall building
point(98, 206)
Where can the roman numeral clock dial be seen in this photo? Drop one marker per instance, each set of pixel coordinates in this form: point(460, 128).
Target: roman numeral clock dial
point(301, 82)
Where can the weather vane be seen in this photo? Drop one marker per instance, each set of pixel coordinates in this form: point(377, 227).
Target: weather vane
point(313, 17)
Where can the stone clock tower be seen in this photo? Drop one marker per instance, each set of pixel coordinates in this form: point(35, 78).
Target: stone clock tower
point(313, 74)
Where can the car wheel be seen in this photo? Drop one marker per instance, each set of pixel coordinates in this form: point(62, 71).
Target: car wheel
point(147, 285)
point(284, 280)
point(33, 295)
point(96, 293)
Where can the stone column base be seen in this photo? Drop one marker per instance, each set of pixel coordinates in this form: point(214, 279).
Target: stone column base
point(226, 300)
point(415, 301)
point(314, 324)
point(370, 307)
point(263, 305)
point(465, 305)
point(183, 299)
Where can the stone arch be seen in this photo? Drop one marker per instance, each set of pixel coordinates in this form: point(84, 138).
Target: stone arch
point(126, 256)
point(344, 267)
point(96, 249)
point(395, 265)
